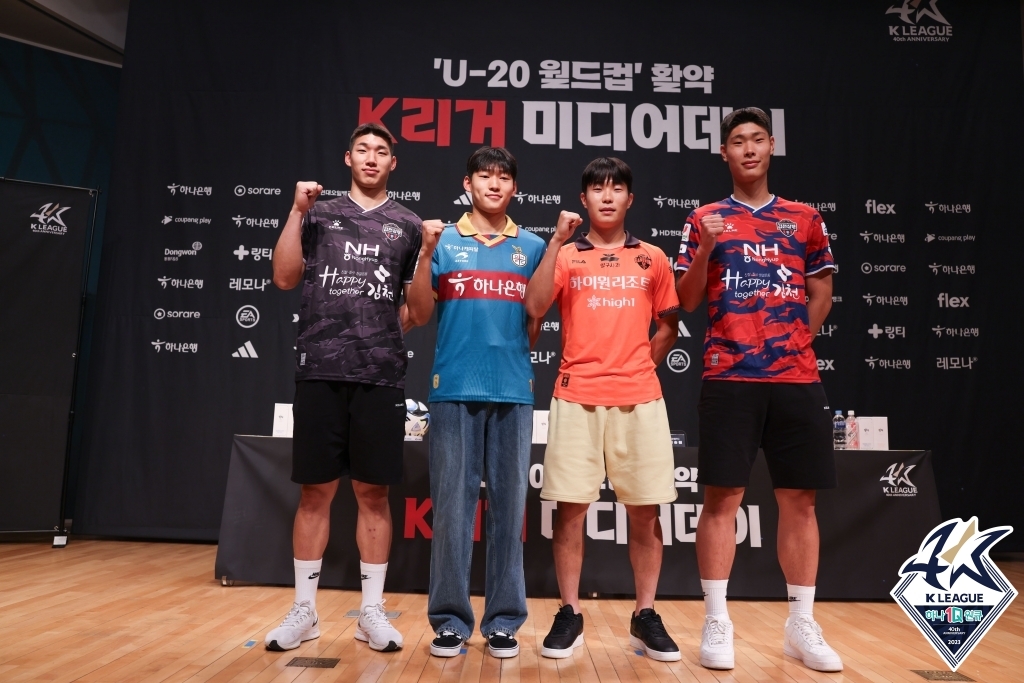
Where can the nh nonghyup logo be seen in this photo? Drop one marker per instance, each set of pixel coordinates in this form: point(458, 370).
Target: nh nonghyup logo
point(952, 590)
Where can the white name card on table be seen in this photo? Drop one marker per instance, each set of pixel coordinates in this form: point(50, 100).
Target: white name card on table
point(282, 420)
point(880, 432)
point(866, 431)
point(540, 426)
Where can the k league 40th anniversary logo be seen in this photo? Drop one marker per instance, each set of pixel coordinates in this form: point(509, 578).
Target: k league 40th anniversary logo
point(952, 590)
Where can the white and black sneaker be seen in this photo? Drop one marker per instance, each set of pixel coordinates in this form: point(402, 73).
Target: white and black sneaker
point(374, 629)
point(502, 645)
point(446, 644)
point(301, 623)
point(566, 634)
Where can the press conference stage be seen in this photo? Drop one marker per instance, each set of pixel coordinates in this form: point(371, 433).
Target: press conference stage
point(152, 612)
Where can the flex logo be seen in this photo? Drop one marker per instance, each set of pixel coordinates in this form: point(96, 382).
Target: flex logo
point(952, 590)
point(873, 206)
point(947, 301)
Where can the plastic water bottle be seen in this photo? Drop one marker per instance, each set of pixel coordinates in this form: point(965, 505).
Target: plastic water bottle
point(839, 431)
point(852, 433)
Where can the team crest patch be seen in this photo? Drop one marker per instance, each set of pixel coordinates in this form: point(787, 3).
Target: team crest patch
point(786, 227)
point(518, 257)
point(951, 590)
point(643, 260)
point(391, 231)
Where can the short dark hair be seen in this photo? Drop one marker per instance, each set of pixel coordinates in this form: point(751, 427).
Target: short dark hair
point(372, 129)
point(607, 169)
point(492, 159)
point(745, 115)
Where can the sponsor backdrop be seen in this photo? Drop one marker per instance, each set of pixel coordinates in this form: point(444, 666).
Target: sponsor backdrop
point(889, 119)
point(43, 235)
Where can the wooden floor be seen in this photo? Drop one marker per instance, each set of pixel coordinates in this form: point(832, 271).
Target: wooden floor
point(109, 611)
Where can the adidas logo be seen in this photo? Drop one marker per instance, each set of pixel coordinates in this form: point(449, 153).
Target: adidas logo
point(314, 575)
point(245, 351)
point(465, 200)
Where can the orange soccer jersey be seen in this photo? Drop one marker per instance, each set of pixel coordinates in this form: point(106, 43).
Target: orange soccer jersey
point(607, 299)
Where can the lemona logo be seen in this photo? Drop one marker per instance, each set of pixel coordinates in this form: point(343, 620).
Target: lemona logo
point(919, 21)
point(952, 590)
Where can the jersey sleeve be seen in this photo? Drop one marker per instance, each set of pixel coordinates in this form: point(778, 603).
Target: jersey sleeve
point(561, 273)
point(411, 258)
point(819, 253)
point(435, 266)
point(688, 245)
point(664, 300)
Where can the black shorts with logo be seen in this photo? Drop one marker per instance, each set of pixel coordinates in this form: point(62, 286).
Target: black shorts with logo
point(347, 428)
point(791, 422)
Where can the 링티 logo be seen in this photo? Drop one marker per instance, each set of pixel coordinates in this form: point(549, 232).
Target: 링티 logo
point(952, 590)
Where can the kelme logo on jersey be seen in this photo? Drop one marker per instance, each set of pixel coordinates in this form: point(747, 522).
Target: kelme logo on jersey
point(391, 231)
point(952, 590)
point(786, 227)
point(518, 257)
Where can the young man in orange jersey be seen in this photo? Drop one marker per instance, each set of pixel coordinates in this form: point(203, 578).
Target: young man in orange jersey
point(607, 416)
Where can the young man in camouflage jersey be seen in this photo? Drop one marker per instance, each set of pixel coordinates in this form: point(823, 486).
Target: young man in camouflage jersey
point(349, 254)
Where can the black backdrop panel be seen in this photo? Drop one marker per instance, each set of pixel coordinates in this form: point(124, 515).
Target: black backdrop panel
point(857, 521)
point(43, 232)
point(892, 127)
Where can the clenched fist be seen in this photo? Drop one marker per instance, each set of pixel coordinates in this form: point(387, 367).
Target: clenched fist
point(306, 193)
point(431, 231)
point(567, 224)
point(711, 226)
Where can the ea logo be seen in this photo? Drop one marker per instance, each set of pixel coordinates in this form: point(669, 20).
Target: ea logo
point(247, 316)
point(159, 314)
point(677, 360)
point(239, 190)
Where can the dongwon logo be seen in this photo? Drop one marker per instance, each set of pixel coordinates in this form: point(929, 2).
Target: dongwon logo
point(951, 590)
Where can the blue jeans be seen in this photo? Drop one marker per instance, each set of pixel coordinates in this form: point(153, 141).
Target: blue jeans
point(470, 442)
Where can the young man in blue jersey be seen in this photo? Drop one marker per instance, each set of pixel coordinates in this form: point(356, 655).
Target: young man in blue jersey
point(481, 406)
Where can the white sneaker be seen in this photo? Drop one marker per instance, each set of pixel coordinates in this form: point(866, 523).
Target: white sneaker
point(804, 641)
point(716, 651)
point(300, 624)
point(375, 629)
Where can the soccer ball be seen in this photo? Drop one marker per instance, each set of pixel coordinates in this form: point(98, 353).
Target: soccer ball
point(417, 420)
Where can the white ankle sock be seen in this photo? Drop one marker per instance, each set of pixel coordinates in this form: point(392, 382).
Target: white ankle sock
point(373, 582)
point(714, 597)
point(307, 576)
point(801, 599)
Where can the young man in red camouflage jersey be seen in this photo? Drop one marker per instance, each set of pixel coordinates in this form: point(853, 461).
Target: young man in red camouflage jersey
point(766, 267)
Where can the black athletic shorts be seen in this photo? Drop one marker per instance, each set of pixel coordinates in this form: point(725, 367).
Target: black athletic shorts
point(347, 428)
point(791, 422)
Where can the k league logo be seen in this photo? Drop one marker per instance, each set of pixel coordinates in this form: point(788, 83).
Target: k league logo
point(951, 590)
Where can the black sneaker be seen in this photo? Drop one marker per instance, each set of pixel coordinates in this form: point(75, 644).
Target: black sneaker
point(566, 634)
point(446, 644)
point(502, 645)
point(647, 633)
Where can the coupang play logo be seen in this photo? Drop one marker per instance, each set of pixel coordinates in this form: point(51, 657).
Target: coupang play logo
point(952, 590)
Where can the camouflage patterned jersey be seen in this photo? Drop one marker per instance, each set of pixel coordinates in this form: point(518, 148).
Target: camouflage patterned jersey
point(356, 264)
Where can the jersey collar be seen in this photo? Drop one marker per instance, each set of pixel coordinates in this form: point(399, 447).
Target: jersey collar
point(752, 209)
point(466, 229)
point(583, 244)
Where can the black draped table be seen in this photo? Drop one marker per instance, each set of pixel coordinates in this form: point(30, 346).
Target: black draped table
point(869, 526)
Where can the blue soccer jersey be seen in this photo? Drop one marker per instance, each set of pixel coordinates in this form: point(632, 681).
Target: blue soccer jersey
point(483, 350)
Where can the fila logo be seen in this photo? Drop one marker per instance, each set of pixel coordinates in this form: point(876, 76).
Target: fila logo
point(246, 350)
point(876, 207)
point(947, 301)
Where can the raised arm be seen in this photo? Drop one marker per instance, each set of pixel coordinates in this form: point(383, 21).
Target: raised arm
point(419, 298)
point(693, 284)
point(288, 265)
point(541, 289)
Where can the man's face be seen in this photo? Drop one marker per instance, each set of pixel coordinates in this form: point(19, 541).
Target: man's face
point(491, 189)
point(606, 204)
point(748, 152)
point(371, 161)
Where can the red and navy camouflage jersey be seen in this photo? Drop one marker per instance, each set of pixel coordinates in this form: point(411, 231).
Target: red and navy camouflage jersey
point(757, 313)
point(356, 264)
